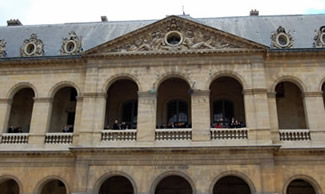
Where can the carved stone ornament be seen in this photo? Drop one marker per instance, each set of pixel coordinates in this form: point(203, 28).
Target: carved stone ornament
point(175, 35)
point(281, 39)
point(319, 39)
point(71, 45)
point(2, 48)
point(32, 47)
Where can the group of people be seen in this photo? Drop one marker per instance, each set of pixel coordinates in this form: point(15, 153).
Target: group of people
point(121, 126)
point(13, 129)
point(67, 129)
point(171, 125)
point(232, 124)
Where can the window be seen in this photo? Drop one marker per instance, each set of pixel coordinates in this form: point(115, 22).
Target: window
point(177, 112)
point(223, 111)
point(130, 112)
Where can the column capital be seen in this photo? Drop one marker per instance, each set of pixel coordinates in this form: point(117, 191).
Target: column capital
point(312, 94)
point(253, 91)
point(6, 101)
point(271, 94)
point(93, 95)
point(43, 100)
point(147, 94)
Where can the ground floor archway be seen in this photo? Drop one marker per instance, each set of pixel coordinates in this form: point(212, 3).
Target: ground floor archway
point(174, 185)
point(231, 184)
point(116, 185)
point(300, 186)
point(54, 187)
point(9, 186)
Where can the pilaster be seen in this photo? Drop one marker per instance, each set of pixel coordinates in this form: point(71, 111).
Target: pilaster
point(273, 114)
point(5, 107)
point(201, 115)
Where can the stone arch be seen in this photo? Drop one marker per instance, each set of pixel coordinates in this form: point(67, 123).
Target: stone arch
point(320, 86)
point(291, 79)
point(160, 177)
point(226, 73)
point(14, 89)
point(11, 177)
point(306, 178)
point(40, 185)
point(108, 175)
point(54, 89)
point(121, 76)
point(169, 75)
point(236, 174)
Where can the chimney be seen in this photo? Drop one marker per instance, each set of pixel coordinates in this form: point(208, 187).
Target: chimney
point(104, 19)
point(14, 22)
point(254, 12)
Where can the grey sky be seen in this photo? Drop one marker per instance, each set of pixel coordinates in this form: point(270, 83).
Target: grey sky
point(64, 11)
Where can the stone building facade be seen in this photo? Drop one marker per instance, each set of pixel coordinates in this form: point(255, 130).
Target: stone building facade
point(175, 84)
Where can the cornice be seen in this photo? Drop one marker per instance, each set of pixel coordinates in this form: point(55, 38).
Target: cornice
point(43, 60)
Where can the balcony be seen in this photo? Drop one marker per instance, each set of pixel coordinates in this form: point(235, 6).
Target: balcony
point(294, 135)
point(14, 138)
point(119, 135)
point(229, 134)
point(173, 134)
point(58, 138)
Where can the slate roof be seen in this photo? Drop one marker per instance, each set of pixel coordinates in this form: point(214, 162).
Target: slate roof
point(255, 28)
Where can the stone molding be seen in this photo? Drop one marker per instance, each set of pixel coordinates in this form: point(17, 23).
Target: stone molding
point(2, 48)
point(93, 95)
point(312, 94)
point(149, 94)
point(32, 47)
point(254, 91)
point(271, 94)
point(6, 101)
point(201, 93)
point(43, 100)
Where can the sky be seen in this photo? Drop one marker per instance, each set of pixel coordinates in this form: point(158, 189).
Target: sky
point(31, 12)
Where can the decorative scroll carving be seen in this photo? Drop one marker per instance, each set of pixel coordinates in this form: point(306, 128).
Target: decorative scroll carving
point(32, 47)
point(71, 45)
point(2, 48)
point(175, 35)
point(319, 39)
point(281, 39)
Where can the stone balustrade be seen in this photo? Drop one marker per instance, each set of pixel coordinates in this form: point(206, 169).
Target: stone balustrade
point(294, 135)
point(173, 134)
point(58, 138)
point(14, 138)
point(119, 135)
point(228, 134)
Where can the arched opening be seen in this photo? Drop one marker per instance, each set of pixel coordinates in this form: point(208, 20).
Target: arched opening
point(174, 104)
point(21, 111)
point(9, 186)
point(122, 105)
point(300, 186)
point(63, 110)
point(54, 187)
point(172, 185)
point(116, 185)
point(290, 108)
point(227, 103)
point(323, 91)
point(231, 184)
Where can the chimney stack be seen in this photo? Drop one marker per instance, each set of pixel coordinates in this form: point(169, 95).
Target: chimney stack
point(104, 18)
point(254, 12)
point(14, 22)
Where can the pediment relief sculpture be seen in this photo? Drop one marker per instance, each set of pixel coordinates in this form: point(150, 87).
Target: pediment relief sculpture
point(281, 39)
point(319, 39)
point(32, 47)
point(71, 45)
point(177, 34)
point(2, 48)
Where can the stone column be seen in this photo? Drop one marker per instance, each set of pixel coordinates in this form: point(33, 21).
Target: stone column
point(5, 107)
point(257, 115)
point(147, 104)
point(273, 114)
point(201, 115)
point(77, 121)
point(92, 118)
point(314, 112)
point(40, 120)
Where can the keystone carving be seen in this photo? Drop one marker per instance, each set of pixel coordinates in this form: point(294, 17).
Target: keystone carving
point(2, 48)
point(32, 47)
point(319, 39)
point(281, 39)
point(71, 45)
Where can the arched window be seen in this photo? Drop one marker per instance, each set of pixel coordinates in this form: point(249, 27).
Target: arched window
point(299, 186)
point(130, 113)
point(117, 185)
point(223, 111)
point(54, 186)
point(231, 184)
point(174, 184)
point(9, 186)
point(177, 112)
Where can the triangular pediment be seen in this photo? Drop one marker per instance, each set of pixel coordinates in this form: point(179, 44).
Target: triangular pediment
point(175, 34)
